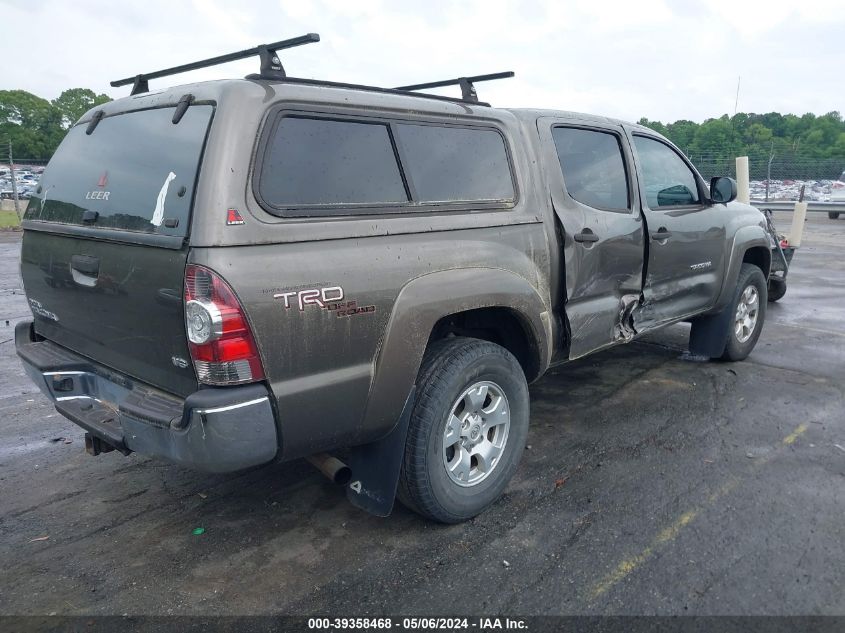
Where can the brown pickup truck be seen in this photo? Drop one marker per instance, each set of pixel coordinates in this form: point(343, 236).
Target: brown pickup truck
point(233, 272)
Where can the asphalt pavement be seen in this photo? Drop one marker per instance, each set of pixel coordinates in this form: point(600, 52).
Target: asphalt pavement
point(651, 483)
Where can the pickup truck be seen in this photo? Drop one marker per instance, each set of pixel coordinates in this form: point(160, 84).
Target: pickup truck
point(229, 273)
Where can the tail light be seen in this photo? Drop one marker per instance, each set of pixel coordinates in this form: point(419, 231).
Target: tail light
point(220, 341)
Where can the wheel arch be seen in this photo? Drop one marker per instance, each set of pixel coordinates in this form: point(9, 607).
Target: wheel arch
point(760, 256)
point(489, 303)
point(749, 245)
point(502, 325)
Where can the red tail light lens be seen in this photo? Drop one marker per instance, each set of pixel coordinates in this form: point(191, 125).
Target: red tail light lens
point(221, 344)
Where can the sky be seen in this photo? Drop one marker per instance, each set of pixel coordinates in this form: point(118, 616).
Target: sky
point(637, 58)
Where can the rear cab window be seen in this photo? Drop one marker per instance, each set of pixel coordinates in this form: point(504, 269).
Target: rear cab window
point(312, 165)
point(135, 172)
point(593, 167)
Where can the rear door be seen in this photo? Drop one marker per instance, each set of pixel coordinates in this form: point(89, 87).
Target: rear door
point(104, 247)
point(588, 168)
point(687, 243)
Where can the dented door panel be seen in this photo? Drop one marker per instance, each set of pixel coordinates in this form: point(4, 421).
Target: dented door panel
point(603, 251)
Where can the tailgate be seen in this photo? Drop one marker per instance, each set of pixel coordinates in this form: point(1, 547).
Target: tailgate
point(123, 309)
point(104, 248)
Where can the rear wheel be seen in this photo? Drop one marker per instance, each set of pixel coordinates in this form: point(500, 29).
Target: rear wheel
point(749, 312)
point(467, 429)
point(833, 214)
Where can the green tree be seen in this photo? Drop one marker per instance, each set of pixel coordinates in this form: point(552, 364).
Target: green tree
point(791, 136)
point(75, 102)
point(839, 147)
point(757, 134)
point(682, 133)
point(716, 136)
point(37, 126)
point(657, 126)
point(32, 124)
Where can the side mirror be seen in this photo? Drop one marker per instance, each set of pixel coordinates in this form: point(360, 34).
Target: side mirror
point(722, 190)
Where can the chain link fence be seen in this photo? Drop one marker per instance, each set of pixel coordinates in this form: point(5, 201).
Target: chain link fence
point(24, 163)
point(779, 178)
point(788, 168)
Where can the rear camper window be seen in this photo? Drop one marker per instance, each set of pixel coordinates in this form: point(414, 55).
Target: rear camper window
point(321, 166)
point(136, 172)
point(448, 164)
point(323, 162)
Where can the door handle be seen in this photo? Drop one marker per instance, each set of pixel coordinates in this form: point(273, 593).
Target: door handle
point(661, 234)
point(85, 269)
point(85, 264)
point(586, 236)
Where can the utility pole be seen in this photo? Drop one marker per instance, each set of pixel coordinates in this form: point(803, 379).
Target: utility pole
point(14, 182)
point(736, 101)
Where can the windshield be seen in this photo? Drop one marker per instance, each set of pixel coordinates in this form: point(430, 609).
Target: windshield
point(136, 172)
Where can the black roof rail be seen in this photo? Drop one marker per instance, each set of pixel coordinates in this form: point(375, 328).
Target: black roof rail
point(272, 69)
point(466, 83)
point(271, 65)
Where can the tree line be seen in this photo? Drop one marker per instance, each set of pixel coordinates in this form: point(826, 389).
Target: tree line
point(36, 126)
point(788, 136)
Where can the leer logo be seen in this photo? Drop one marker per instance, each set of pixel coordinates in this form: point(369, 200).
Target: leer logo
point(234, 217)
point(101, 184)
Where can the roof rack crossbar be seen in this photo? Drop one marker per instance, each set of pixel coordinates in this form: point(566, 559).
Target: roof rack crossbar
point(468, 92)
point(271, 65)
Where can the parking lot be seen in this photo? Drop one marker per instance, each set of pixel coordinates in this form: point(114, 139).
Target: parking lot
point(651, 483)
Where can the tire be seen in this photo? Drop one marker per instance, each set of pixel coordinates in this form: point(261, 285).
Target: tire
point(452, 368)
point(833, 215)
point(776, 290)
point(751, 280)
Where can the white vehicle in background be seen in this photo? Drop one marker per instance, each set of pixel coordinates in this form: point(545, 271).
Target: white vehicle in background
point(837, 194)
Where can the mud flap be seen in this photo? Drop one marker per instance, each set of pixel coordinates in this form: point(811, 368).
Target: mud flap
point(709, 334)
point(375, 467)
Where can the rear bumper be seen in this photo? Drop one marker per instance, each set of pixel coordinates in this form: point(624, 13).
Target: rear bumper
point(215, 429)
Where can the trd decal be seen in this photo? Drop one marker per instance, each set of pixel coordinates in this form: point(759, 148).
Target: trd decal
point(311, 296)
point(330, 299)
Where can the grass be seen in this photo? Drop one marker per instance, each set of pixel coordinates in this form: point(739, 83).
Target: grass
point(8, 219)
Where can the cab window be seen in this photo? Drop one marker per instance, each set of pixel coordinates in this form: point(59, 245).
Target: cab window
point(666, 178)
point(593, 167)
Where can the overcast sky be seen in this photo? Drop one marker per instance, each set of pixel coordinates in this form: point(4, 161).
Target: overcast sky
point(660, 59)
